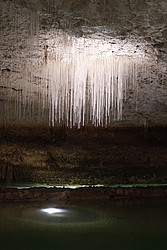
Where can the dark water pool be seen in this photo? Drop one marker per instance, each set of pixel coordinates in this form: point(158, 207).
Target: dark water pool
point(122, 224)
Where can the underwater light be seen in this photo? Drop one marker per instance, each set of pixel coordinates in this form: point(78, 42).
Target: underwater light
point(52, 210)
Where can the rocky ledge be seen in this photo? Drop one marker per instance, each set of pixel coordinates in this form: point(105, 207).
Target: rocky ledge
point(61, 194)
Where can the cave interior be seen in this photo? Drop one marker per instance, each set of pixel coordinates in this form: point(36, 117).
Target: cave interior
point(83, 92)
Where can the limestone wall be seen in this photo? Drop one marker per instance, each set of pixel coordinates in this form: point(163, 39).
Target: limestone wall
point(37, 35)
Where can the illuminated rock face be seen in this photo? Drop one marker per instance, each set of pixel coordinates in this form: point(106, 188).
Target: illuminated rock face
point(63, 64)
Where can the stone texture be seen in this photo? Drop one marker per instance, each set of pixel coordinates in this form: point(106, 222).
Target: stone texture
point(9, 174)
point(87, 156)
point(55, 194)
point(142, 20)
point(92, 156)
point(3, 172)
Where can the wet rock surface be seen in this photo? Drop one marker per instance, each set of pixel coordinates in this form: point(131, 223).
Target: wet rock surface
point(80, 194)
point(86, 156)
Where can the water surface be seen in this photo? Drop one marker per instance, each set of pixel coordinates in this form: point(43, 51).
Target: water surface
point(120, 224)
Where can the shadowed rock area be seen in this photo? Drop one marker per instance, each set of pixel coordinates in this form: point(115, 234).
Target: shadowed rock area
point(80, 194)
point(88, 155)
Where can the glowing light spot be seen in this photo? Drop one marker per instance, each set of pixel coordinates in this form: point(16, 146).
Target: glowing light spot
point(53, 210)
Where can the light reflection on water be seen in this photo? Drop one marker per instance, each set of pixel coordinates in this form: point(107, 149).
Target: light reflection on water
point(123, 224)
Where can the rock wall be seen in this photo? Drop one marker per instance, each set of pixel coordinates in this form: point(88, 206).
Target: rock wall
point(86, 156)
point(79, 194)
point(29, 32)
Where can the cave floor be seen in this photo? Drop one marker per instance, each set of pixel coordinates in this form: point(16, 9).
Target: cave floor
point(90, 156)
